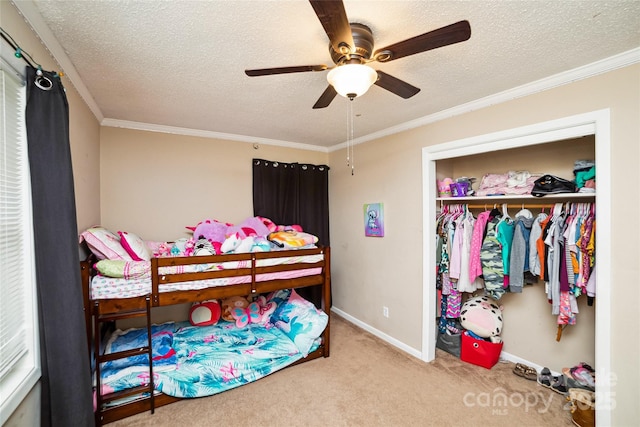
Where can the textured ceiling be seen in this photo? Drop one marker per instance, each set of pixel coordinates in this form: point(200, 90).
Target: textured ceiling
point(181, 63)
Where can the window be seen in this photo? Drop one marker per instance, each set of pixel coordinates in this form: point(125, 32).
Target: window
point(19, 350)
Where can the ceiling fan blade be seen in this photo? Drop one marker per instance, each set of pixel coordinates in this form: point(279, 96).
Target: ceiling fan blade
point(284, 70)
point(395, 85)
point(334, 20)
point(454, 33)
point(326, 97)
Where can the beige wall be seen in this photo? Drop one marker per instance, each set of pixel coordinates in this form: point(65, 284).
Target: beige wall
point(155, 184)
point(369, 273)
point(84, 139)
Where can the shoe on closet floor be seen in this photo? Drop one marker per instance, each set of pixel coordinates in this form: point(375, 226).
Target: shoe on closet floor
point(525, 371)
point(545, 378)
point(580, 376)
point(560, 385)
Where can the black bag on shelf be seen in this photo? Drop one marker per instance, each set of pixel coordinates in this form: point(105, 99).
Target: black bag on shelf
point(550, 184)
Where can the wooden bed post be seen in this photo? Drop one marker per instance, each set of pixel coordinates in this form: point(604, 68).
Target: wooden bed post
point(326, 298)
point(155, 289)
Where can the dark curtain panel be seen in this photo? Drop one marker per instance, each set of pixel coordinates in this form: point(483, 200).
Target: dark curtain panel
point(294, 193)
point(66, 378)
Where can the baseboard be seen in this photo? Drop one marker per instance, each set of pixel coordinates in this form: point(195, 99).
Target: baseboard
point(384, 337)
point(516, 359)
point(505, 356)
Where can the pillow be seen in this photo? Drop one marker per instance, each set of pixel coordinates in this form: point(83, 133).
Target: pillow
point(205, 313)
point(300, 320)
point(279, 297)
point(292, 239)
point(104, 244)
point(111, 267)
point(123, 269)
point(135, 246)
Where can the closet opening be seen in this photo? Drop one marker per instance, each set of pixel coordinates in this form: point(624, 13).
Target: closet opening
point(591, 129)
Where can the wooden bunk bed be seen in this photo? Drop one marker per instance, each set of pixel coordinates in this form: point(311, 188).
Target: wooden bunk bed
point(258, 273)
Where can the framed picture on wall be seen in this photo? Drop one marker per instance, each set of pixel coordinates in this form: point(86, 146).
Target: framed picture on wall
point(374, 220)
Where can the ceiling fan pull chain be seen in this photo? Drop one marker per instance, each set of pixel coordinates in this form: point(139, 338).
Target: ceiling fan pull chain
point(348, 134)
point(353, 165)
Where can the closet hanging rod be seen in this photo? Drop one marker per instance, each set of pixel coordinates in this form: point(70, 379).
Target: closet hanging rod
point(509, 205)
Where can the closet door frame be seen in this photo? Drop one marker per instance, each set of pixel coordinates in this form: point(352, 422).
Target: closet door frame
point(595, 123)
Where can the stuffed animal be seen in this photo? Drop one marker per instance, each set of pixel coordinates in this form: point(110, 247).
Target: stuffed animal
point(252, 226)
point(483, 317)
point(258, 311)
point(205, 313)
point(262, 310)
point(210, 229)
point(203, 247)
point(292, 239)
point(229, 304)
point(272, 227)
point(239, 245)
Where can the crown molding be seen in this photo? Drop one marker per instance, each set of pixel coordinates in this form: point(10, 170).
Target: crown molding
point(150, 127)
point(612, 63)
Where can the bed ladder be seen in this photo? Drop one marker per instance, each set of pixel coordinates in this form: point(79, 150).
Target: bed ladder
point(100, 358)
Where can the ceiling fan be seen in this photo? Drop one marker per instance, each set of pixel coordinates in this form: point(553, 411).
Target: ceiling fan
point(351, 48)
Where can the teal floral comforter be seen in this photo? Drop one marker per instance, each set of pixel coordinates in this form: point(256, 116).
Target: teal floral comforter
point(197, 361)
point(204, 360)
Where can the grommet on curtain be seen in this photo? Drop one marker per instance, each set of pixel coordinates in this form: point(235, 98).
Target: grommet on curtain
point(42, 81)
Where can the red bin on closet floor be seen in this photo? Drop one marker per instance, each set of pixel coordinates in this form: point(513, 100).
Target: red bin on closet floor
point(479, 352)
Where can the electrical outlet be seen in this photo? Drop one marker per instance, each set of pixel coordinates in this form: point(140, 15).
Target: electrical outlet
point(385, 311)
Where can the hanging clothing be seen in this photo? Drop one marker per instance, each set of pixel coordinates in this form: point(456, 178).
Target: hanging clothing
point(553, 257)
point(591, 285)
point(504, 234)
point(491, 259)
point(475, 265)
point(501, 254)
point(455, 261)
point(542, 249)
point(520, 256)
point(449, 261)
point(536, 232)
point(587, 245)
point(465, 284)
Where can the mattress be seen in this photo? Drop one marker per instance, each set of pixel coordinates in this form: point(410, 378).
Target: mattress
point(104, 287)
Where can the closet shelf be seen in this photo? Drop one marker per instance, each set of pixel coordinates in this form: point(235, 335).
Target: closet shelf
point(551, 198)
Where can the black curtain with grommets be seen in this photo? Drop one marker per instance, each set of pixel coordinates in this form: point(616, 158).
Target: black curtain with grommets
point(294, 193)
point(66, 389)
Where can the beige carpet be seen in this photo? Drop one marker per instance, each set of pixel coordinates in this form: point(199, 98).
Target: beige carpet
point(367, 382)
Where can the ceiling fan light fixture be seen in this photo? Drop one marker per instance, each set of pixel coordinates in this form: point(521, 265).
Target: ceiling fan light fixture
point(352, 80)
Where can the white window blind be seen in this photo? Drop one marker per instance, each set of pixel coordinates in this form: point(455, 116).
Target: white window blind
point(19, 358)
